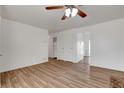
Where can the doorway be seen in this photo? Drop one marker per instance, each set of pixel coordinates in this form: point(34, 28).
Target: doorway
point(54, 47)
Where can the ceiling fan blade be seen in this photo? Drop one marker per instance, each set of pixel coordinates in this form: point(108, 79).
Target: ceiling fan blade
point(81, 13)
point(64, 17)
point(54, 7)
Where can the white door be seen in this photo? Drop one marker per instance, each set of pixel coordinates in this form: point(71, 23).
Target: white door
point(60, 48)
point(68, 40)
point(65, 45)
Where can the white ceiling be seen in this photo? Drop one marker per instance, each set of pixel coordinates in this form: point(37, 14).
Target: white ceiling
point(36, 15)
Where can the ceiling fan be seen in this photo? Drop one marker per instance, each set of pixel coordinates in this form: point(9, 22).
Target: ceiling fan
point(70, 11)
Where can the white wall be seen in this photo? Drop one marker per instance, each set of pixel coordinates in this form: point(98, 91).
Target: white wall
point(0, 34)
point(24, 45)
point(0, 31)
point(107, 45)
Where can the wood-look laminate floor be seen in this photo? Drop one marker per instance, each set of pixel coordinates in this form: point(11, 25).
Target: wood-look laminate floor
point(58, 74)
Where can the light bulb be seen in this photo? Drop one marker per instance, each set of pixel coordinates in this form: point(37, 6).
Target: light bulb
point(74, 12)
point(68, 12)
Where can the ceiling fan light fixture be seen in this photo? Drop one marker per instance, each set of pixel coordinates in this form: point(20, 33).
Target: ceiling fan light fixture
point(71, 12)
